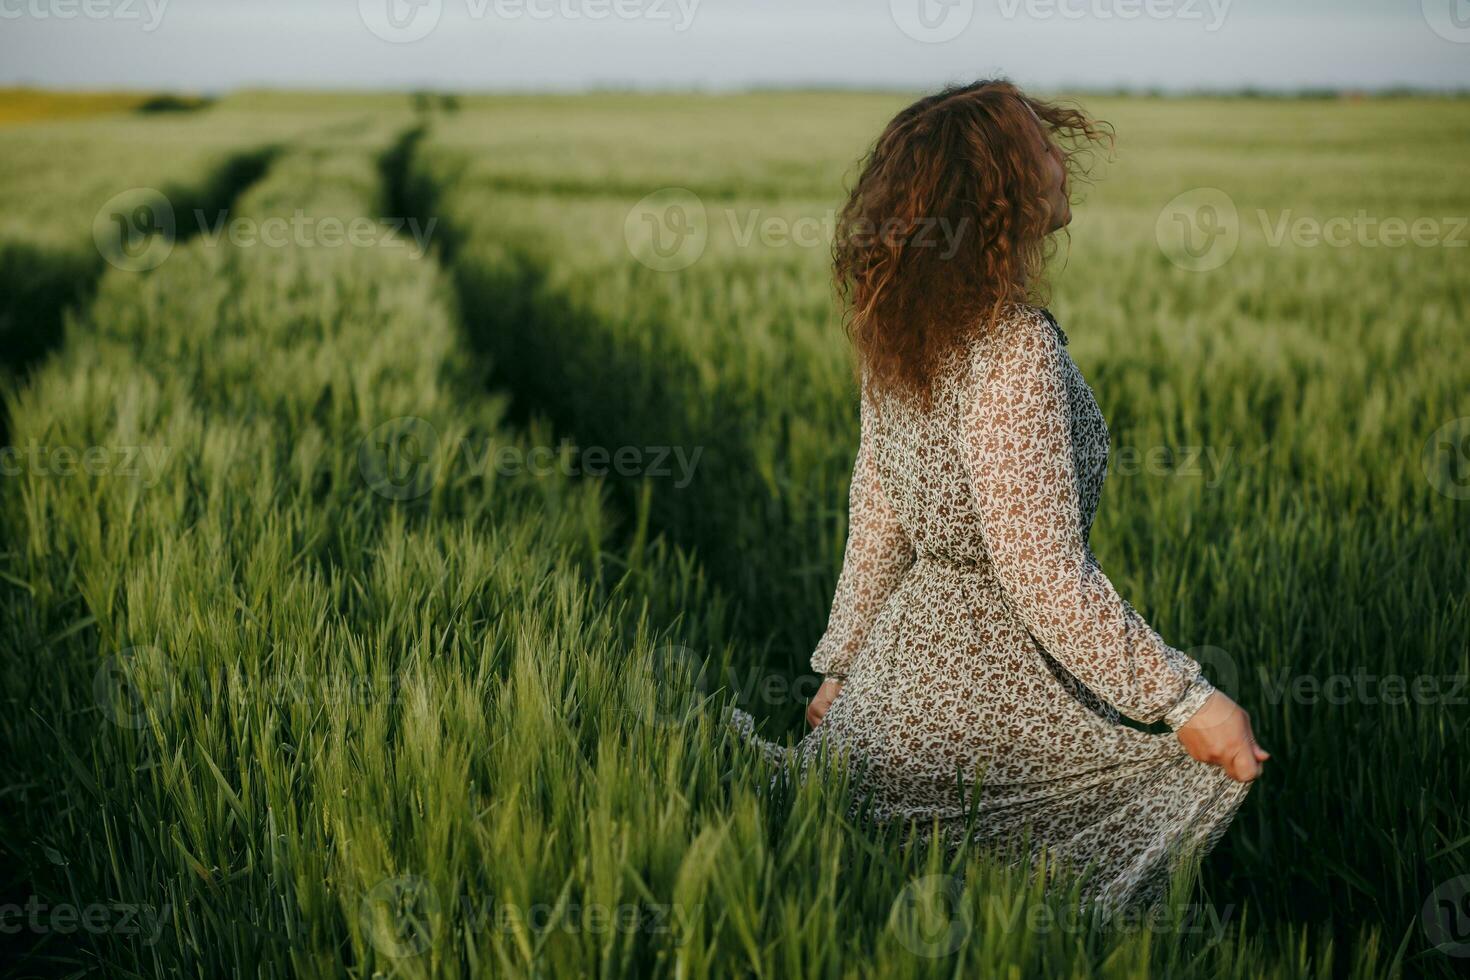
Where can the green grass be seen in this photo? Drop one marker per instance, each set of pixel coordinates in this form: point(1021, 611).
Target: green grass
point(65, 183)
point(1310, 545)
point(308, 717)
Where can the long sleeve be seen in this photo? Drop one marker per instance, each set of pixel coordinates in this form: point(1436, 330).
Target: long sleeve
point(877, 554)
point(1018, 435)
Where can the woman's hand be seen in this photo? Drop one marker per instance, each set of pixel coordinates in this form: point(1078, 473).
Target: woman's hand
point(1220, 734)
point(822, 700)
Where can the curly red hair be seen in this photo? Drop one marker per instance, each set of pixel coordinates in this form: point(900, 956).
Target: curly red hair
point(948, 223)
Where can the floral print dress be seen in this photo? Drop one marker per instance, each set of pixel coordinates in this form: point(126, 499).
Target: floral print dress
point(977, 637)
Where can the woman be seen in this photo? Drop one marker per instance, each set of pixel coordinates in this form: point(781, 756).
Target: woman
point(972, 632)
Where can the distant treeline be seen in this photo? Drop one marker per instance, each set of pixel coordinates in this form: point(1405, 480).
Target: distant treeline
point(173, 103)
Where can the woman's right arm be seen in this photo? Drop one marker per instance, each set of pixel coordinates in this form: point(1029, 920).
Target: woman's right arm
point(1018, 434)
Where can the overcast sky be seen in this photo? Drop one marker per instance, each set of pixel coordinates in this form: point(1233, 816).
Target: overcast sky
point(212, 45)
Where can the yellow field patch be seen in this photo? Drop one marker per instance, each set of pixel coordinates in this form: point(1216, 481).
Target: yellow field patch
point(18, 105)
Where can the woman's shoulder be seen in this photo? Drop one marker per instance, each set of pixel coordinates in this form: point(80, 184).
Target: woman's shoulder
point(1016, 325)
point(1022, 319)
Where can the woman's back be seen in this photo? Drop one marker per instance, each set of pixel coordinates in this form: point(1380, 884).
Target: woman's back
point(925, 455)
point(977, 638)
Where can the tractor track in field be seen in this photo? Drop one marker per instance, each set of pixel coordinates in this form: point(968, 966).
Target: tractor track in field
point(39, 286)
point(38, 290)
point(516, 320)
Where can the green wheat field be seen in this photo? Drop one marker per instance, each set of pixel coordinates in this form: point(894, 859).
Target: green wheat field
point(397, 491)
